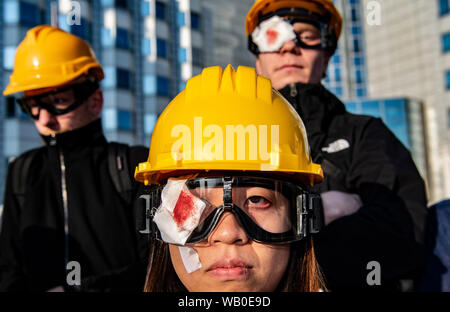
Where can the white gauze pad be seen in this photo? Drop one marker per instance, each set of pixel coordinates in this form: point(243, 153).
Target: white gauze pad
point(271, 34)
point(190, 259)
point(179, 212)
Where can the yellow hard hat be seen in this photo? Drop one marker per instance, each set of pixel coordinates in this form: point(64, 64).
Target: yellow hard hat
point(229, 121)
point(324, 8)
point(51, 57)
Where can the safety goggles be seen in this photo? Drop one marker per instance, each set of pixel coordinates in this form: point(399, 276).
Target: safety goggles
point(274, 31)
point(184, 212)
point(59, 101)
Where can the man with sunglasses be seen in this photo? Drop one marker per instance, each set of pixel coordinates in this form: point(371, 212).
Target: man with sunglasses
point(68, 220)
point(373, 196)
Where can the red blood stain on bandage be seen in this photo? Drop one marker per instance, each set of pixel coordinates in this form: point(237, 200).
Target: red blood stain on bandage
point(272, 36)
point(184, 208)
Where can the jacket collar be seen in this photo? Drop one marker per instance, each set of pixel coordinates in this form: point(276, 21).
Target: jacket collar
point(313, 101)
point(88, 135)
point(317, 107)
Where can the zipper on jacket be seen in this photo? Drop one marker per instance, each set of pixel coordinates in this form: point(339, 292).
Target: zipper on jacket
point(64, 200)
point(293, 90)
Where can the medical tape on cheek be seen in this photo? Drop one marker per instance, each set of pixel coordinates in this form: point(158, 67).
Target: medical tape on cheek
point(179, 213)
point(190, 259)
point(272, 34)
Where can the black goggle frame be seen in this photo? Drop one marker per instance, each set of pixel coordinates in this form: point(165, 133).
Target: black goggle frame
point(82, 91)
point(309, 213)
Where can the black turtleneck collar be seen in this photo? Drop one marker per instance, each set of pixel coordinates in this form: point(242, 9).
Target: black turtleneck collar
point(90, 134)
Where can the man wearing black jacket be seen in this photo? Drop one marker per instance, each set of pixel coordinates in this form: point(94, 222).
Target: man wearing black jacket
point(68, 221)
point(373, 196)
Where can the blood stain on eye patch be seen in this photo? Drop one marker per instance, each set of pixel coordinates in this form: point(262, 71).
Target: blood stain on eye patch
point(272, 36)
point(184, 208)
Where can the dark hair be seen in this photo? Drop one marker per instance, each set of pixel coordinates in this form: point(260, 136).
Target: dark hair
point(302, 274)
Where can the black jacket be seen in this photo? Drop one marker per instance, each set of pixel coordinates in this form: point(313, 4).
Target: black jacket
point(370, 161)
point(101, 225)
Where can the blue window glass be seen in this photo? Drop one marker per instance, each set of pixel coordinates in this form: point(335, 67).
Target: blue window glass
point(11, 12)
point(359, 78)
point(160, 8)
point(447, 79)
point(82, 30)
point(337, 74)
point(122, 39)
point(339, 92)
point(197, 57)
point(444, 7)
point(161, 48)
point(145, 8)
point(181, 19)
point(123, 78)
point(446, 42)
point(371, 108)
point(10, 106)
point(356, 46)
point(336, 59)
point(356, 30)
point(149, 123)
point(107, 39)
point(354, 15)
point(107, 3)
point(121, 4)
point(146, 46)
point(149, 85)
point(29, 14)
point(162, 86)
point(361, 93)
point(124, 120)
point(182, 55)
point(357, 61)
point(351, 107)
point(395, 110)
point(195, 21)
point(110, 77)
point(8, 57)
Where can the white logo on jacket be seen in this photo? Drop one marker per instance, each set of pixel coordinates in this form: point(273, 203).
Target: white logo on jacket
point(336, 146)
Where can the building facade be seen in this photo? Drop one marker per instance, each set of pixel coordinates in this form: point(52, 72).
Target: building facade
point(148, 49)
point(408, 55)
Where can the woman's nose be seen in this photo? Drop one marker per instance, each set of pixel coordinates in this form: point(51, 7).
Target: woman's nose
point(228, 231)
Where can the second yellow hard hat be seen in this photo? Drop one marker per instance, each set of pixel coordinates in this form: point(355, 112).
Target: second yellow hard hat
point(50, 57)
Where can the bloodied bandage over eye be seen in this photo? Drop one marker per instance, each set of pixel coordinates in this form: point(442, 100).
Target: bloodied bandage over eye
point(184, 212)
point(272, 33)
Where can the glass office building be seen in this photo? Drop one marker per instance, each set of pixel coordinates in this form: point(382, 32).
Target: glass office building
point(148, 49)
point(346, 75)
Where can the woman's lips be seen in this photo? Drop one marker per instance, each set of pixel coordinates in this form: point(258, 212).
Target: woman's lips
point(230, 269)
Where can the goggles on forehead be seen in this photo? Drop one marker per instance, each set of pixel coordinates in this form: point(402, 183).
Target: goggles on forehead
point(184, 212)
point(56, 102)
point(274, 31)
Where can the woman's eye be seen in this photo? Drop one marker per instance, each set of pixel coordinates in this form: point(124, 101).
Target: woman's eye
point(258, 202)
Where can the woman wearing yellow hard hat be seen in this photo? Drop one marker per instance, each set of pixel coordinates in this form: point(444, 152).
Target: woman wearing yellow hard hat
point(227, 197)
